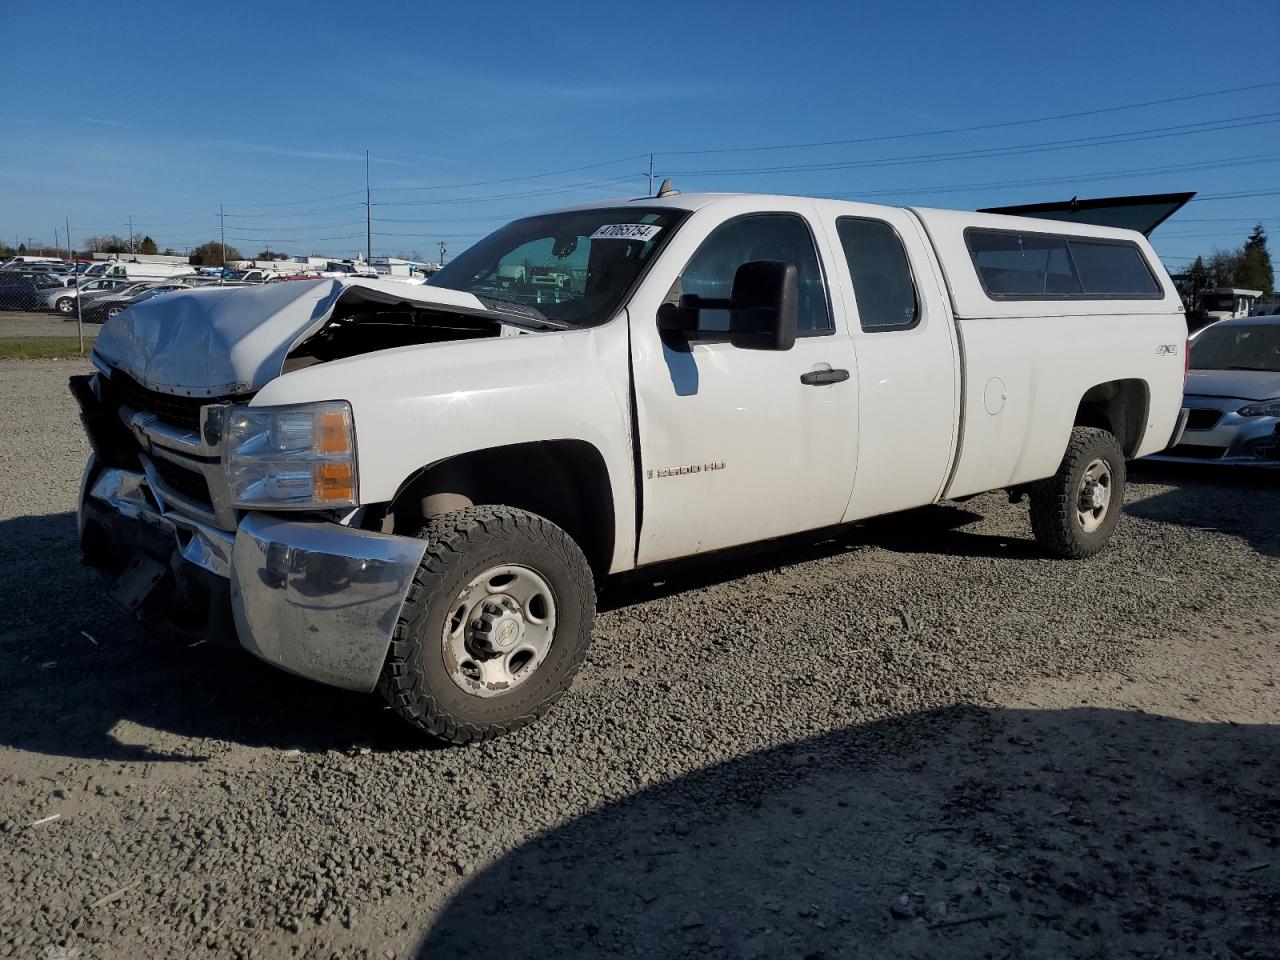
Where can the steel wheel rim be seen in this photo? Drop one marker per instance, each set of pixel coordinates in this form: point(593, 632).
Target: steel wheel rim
point(499, 630)
point(1094, 497)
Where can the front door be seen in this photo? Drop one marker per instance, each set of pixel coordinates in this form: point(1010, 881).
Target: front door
point(737, 444)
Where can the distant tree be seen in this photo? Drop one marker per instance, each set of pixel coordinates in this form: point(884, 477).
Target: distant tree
point(148, 246)
point(210, 254)
point(1222, 267)
point(22, 248)
point(270, 254)
point(108, 243)
point(1254, 270)
point(168, 251)
point(6, 250)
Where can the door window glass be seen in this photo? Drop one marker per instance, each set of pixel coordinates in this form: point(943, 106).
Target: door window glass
point(881, 274)
point(765, 236)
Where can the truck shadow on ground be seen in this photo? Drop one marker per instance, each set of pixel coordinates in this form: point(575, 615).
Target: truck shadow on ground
point(1230, 500)
point(82, 679)
point(965, 833)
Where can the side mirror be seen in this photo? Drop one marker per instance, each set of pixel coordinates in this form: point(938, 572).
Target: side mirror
point(762, 308)
point(763, 305)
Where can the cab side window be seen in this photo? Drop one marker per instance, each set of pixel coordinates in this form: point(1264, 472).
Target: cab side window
point(766, 236)
point(881, 274)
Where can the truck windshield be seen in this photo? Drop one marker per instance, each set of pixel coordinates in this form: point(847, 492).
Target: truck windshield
point(572, 268)
point(1253, 346)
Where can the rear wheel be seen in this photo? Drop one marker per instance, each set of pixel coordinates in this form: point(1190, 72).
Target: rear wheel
point(1074, 512)
point(66, 306)
point(495, 625)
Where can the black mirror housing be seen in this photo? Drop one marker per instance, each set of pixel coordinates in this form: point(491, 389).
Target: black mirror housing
point(763, 305)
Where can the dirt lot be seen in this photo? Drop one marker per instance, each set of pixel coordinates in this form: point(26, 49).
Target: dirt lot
point(917, 739)
point(18, 323)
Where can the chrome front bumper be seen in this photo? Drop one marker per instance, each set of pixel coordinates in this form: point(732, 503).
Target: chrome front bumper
point(315, 598)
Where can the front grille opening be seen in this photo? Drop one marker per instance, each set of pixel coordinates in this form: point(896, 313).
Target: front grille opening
point(1203, 419)
point(190, 484)
point(182, 412)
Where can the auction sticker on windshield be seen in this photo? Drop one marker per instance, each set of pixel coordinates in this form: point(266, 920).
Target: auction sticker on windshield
point(626, 231)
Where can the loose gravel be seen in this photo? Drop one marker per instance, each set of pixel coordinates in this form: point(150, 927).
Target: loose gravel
point(161, 799)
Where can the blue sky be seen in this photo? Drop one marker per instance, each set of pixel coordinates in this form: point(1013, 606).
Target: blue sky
point(142, 111)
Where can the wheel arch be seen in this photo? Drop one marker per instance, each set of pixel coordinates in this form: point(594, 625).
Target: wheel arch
point(1120, 407)
point(564, 480)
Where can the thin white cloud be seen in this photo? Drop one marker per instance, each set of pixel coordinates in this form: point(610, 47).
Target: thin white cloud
point(302, 153)
point(642, 90)
point(105, 123)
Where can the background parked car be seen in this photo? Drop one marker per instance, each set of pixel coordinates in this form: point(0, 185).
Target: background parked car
point(62, 300)
point(1233, 394)
point(104, 308)
point(18, 291)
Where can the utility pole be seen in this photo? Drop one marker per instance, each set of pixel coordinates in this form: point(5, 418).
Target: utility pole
point(368, 215)
point(442, 250)
point(132, 249)
point(222, 227)
point(79, 316)
point(57, 246)
point(651, 174)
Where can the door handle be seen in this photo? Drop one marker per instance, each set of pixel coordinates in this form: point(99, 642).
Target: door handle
point(818, 378)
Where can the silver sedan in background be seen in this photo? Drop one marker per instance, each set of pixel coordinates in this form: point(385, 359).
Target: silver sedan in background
point(1232, 395)
point(62, 300)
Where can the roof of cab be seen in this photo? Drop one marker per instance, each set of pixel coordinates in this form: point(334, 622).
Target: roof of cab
point(935, 215)
point(945, 230)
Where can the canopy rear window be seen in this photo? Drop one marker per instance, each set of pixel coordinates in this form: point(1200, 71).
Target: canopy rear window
point(1015, 265)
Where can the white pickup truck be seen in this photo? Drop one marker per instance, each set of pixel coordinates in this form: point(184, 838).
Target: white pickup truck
point(416, 489)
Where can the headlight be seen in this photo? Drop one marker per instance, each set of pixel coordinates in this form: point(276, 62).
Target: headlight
point(301, 457)
point(1267, 408)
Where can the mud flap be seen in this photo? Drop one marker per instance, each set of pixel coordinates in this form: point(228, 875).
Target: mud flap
point(136, 583)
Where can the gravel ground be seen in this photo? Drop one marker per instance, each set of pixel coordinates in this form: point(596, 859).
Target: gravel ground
point(18, 323)
point(918, 738)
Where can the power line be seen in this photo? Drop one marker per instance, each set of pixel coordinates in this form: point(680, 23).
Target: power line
point(520, 179)
point(550, 191)
point(1204, 198)
point(1068, 178)
point(296, 216)
point(972, 129)
point(291, 203)
point(275, 239)
point(1131, 136)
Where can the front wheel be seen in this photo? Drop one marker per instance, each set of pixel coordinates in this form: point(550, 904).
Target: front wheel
point(496, 624)
point(66, 306)
point(1074, 512)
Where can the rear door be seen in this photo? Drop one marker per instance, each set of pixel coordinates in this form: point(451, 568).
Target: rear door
point(908, 362)
point(738, 445)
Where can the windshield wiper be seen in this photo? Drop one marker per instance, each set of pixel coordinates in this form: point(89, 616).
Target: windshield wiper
point(521, 314)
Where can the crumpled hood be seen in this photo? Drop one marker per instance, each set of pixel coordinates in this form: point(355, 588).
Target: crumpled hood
point(221, 341)
point(1243, 384)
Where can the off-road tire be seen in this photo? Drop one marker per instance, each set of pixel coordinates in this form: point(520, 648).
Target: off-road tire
point(415, 681)
point(1054, 514)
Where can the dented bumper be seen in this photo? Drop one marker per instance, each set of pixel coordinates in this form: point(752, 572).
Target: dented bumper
point(315, 598)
